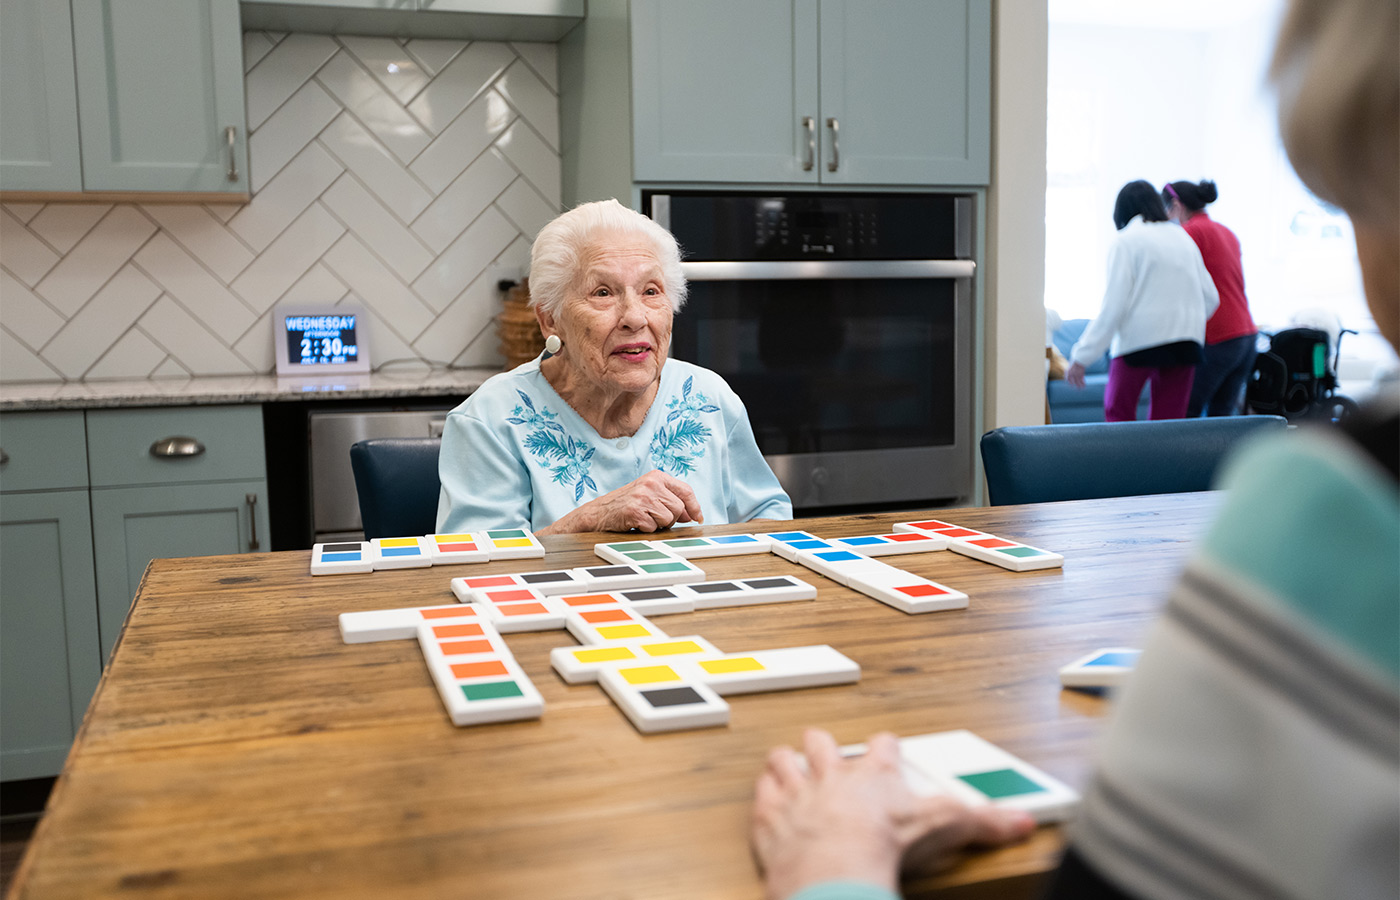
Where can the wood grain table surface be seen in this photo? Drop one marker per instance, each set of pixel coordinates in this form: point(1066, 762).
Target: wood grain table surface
point(236, 748)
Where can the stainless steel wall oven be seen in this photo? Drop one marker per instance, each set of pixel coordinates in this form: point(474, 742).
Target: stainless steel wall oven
point(845, 323)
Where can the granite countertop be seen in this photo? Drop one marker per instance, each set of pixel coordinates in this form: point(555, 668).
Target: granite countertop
point(238, 389)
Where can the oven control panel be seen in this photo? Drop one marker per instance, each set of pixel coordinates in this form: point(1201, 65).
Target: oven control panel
point(737, 227)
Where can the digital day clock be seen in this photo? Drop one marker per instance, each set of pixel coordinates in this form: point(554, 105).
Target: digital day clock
point(320, 341)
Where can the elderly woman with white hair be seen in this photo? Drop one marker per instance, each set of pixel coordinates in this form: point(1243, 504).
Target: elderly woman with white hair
point(604, 432)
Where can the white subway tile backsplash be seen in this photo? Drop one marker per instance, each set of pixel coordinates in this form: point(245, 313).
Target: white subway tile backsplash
point(110, 312)
point(62, 225)
point(134, 355)
point(22, 252)
point(377, 168)
point(410, 192)
point(288, 257)
point(204, 236)
point(19, 363)
point(29, 317)
point(196, 289)
point(375, 286)
point(188, 341)
point(524, 90)
point(462, 201)
point(463, 141)
point(457, 85)
point(295, 124)
point(391, 65)
point(96, 258)
point(279, 74)
point(464, 259)
point(373, 106)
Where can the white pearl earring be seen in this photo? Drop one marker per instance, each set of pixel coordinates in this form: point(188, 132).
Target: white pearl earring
point(552, 344)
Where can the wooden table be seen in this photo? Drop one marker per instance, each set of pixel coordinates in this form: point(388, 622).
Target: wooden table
point(237, 748)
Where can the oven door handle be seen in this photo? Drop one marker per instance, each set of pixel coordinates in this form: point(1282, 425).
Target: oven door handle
point(794, 270)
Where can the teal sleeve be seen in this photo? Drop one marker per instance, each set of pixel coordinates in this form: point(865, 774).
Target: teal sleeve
point(1316, 522)
point(753, 491)
point(843, 890)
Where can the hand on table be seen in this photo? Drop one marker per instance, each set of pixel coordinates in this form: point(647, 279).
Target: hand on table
point(856, 819)
point(1074, 375)
point(653, 502)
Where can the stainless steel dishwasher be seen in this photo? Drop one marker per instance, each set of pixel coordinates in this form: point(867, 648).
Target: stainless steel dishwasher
point(335, 506)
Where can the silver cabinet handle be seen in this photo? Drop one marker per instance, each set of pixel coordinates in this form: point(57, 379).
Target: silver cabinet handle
point(171, 447)
point(252, 501)
point(809, 125)
point(230, 134)
point(835, 145)
point(4, 457)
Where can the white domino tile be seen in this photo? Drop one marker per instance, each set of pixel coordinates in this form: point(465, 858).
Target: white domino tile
point(516, 616)
point(451, 549)
point(397, 624)
point(777, 670)
point(602, 625)
point(719, 545)
point(627, 552)
point(656, 698)
point(657, 573)
point(790, 549)
point(511, 543)
point(342, 558)
point(477, 677)
point(979, 772)
point(748, 592)
point(937, 527)
point(1105, 668)
point(1008, 554)
point(840, 565)
point(907, 592)
point(578, 665)
point(400, 553)
point(898, 543)
point(658, 601)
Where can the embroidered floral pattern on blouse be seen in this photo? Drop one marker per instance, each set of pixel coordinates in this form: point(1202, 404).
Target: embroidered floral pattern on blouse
point(569, 460)
point(680, 442)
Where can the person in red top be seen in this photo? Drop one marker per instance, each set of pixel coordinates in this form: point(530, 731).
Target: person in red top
point(1223, 374)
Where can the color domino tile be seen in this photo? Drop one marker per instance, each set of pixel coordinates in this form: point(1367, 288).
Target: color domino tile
point(344, 558)
point(452, 549)
point(1102, 669)
point(979, 772)
point(664, 683)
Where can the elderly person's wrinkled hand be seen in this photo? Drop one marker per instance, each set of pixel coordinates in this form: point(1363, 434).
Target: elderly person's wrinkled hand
point(856, 819)
point(654, 502)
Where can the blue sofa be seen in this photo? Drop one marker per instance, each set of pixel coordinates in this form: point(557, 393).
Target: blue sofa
point(1068, 404)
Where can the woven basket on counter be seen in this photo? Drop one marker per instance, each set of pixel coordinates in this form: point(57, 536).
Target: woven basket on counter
point(519, 331)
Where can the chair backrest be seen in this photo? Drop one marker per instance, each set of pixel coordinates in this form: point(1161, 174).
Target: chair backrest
point(397, 480)
point(1039, 463)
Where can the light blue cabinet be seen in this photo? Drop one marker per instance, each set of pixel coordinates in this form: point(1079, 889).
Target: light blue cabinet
point(477, 20)
point(86, 502)
point(38, 97)
point(49, 649)
point(149, 96)
point(835, 92)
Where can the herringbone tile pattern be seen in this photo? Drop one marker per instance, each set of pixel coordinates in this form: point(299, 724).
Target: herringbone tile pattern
point(406, 176)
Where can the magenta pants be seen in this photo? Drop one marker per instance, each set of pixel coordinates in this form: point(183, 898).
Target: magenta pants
point(1170, 393)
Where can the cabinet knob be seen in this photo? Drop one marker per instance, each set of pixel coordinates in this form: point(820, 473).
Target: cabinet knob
point(171, 447)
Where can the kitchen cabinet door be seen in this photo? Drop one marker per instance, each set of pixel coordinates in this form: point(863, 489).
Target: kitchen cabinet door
point(721, 90)
point(134, 525)
point(38, 98)
point(160, 95)
point(49, 652)
point(878, 92)
point(906, 92)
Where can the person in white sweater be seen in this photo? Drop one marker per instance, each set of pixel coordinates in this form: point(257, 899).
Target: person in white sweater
point(1153, 320)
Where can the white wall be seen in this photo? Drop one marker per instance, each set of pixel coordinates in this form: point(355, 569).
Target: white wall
point(1015, 278)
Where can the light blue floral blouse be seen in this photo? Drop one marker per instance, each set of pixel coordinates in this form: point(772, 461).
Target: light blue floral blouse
point(515, 452)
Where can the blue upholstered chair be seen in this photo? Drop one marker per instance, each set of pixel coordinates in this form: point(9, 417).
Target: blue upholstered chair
point(397, 480)
point(1038, 463)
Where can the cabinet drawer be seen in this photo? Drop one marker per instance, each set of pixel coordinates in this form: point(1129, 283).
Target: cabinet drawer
point(224, 443)
point(42, 451)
